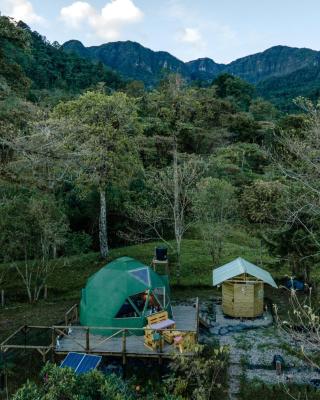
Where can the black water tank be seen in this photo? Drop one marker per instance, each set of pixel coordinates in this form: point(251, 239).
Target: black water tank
point(161, 253)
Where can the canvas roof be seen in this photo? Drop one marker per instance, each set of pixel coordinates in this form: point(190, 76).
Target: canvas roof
point(240, 266)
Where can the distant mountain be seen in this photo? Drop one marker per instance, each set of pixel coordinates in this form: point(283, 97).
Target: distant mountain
point(280, 73)
point(131, 60)
point(274, 62)
point(204, 69)
point(135, 61)
point(281, 90)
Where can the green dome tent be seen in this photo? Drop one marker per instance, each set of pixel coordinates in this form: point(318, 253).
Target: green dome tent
point(122, 294)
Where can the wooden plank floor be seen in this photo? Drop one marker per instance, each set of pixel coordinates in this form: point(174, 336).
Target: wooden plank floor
point(184, 316)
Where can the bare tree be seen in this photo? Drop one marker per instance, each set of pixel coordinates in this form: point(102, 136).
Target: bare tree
point(172, 189)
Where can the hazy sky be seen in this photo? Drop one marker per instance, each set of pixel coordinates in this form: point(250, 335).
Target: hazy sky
point(223, 30)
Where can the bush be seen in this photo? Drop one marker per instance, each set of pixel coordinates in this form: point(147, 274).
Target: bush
point(63, 384)
point(78, 243)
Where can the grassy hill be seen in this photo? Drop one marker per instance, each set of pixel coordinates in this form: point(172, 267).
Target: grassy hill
point(70, 275)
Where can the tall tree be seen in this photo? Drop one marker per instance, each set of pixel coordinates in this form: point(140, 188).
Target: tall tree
point(215, 206)
point(99, 134)
point(168, 203)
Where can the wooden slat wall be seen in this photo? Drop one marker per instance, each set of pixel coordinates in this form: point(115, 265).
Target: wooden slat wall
point(227, 298)
point(258, 298)
point(242, 299)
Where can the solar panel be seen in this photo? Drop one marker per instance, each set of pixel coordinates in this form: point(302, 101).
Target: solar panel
point(88, 363)
point(81, 363)
point(72, 360)
point(142, 274)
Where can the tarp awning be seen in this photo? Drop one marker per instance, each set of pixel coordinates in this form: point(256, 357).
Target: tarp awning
point(238, 267)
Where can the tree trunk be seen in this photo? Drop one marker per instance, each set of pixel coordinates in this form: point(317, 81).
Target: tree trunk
point(178, 260)
point(176, 206)
point(103, 235)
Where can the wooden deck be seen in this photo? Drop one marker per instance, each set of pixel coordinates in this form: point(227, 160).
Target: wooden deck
point(124, 342)
point(121, 342)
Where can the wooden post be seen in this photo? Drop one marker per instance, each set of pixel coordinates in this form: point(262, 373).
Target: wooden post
point(53, 344)
point(197, 316)
point(87, 340)
point(76, 313)
point(45, 292)
point(2, 297)
point(124, 346)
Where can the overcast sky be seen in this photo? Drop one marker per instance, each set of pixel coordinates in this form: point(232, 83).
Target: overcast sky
point(223, 30)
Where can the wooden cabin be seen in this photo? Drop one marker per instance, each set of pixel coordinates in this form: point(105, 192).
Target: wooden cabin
point(242, 288)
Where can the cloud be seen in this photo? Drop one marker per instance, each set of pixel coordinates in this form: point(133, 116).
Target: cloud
point(190, 36)
point(77, 13)
point(106, 23)
point(22, 10)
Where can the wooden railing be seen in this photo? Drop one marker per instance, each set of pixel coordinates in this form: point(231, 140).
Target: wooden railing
point(83, 341)
point(72, 315)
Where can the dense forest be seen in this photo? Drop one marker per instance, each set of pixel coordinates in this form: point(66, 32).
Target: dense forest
point(98, 160)
point(91, 162)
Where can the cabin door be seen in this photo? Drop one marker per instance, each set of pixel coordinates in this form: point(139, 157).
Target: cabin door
point(243, 300)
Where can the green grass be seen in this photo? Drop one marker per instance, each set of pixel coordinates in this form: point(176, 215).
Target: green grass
point(258, 390)
point(71, 274)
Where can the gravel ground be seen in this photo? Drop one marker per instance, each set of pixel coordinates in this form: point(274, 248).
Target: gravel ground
point(253, 344)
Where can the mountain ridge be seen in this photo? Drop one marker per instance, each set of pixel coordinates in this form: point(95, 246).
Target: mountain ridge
point(279, 73)
point(133, 60)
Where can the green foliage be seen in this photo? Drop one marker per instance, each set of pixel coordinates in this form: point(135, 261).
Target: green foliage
point(262, 202)
point(12, 77)
point(215, 205)
point(263, 110)
point(100, 131)
point(30, 65)
point(77, 243)
point(31, 226)
point(234, 88)
point(62, 383)
point(259, 390)
point(198, 377)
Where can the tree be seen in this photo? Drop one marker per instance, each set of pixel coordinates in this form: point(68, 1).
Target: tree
point(299, 163)
point(58, 383)
point(99, 134)
point(234, 88)
point(301, 326)
point(32, 231)
point(168, 203)
point(12, 77)
point(263, 202)
point(262, 110)
point(200, 376)
point(215, 206)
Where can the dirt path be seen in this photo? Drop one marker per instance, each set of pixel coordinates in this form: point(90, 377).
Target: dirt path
point(234, 369)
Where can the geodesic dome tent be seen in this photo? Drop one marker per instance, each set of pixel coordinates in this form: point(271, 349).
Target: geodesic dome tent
point(122, 294)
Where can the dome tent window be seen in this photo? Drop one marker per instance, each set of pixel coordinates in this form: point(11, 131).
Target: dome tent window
point(139, 300)
point(127, 311)
point(142, 274)
point(153, 305)
point(160, 293)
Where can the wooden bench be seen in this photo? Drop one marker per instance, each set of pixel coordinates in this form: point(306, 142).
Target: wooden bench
point(158, 322)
